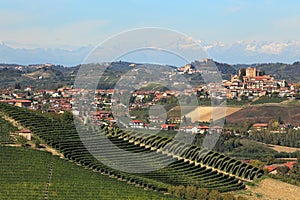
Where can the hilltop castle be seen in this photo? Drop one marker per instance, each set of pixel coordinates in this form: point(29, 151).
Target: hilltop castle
point(251, 82)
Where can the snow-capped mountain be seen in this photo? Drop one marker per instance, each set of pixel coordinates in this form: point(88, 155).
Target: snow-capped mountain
point(254, 52)
point(27, 56)
point(245, 52)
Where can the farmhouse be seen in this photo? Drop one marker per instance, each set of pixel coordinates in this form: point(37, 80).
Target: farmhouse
point(168, 126)
point(260, 126)
point(137, 124)
point(272, 169)
point(19, 103)
point(26, 134)
point(203, 129)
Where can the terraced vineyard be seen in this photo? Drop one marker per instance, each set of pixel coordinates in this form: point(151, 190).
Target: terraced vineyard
point(189, 165)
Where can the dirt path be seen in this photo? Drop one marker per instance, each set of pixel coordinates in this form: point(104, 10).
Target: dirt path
point(271, 189)
point(283, 148)
point(51, 150)
point(13, 122)
point(279, 148)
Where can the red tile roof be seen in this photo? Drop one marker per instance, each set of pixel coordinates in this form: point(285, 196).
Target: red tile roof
point(136, 121)
point(260, 125)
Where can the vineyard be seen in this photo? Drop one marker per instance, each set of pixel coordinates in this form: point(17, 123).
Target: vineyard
point(6, 128)
point(189, 165)
point(21, 179)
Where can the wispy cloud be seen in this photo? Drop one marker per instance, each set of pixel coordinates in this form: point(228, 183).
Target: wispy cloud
point(235, 6)
point(233, 9)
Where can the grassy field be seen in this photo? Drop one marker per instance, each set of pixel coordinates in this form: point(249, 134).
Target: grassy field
point(24, 175)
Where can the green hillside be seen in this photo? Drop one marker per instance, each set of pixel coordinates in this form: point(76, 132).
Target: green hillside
point(25, 173)
point(193, 166)
point(5, 130)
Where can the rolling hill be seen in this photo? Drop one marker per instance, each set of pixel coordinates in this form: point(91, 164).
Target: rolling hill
point(56, 75)
point(186, 164)
point(264, 113)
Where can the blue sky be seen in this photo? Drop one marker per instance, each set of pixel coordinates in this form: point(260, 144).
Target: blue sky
point(62, 23)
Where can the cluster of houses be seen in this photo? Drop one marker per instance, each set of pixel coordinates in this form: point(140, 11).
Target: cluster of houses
point(252, 83)
point(248, 82)
point(46, 100)
point(282, 128)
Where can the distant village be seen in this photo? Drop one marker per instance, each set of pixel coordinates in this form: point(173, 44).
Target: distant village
point(249, 83)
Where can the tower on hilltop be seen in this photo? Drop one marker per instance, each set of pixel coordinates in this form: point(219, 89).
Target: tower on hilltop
point(251, 72)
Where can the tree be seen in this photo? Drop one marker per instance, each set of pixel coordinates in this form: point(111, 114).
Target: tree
point(37, 143)
point(214, 195)
point(270, 159)
point(202, 193)
point(171, 189)
point(295, 172)
point(273, 124)
point(283, 170)
point(247, 125)
point(67, 117)
point(280, 120)
point(179, 191)
point(190, 192)
point(17, 86)
point(184, 120)
point(241, 198)
point(228, 196)
point(23, 141)
point(257, 163)
point(242, 72)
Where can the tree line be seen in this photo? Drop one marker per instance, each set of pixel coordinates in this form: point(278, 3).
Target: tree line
point(290, 139)
point(191, 192)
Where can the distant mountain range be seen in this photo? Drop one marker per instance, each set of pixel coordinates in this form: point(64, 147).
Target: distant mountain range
point(25, 56)
point(247, 52)
point(254, 52)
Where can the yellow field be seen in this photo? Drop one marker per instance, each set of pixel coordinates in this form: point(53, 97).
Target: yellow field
point(203, 113)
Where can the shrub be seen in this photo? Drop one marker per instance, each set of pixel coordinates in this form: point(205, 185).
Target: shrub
point(228, 196)
point(214, 195)
point(191, 192)
point(179, 191)
point(202, 193)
